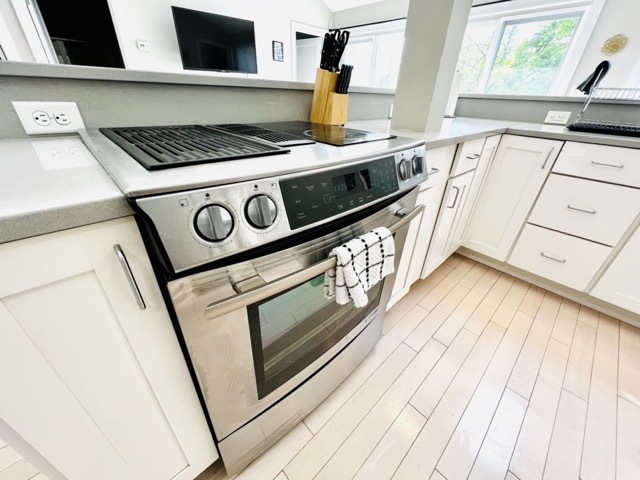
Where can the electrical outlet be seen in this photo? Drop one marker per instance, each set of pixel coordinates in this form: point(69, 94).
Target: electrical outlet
point(42, 118)
point(556, 117)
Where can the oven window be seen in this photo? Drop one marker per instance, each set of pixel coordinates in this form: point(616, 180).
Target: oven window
point(292, 329)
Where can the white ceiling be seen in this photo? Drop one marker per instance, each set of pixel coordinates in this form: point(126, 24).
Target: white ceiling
point(337, 5)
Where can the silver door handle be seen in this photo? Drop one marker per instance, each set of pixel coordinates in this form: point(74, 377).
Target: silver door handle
point(548, 156)
point(553, 257)
point(473, 157)
point(455, 200)
point(129, 274)
point(433, 171)
point(269, 289)
point(590, 212)
point(600, 164)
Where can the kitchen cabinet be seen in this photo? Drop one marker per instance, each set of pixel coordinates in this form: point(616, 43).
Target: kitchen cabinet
point(466, 175)
point(517, 173)
point(99, 387)
point(439, 162)
point(620, 283)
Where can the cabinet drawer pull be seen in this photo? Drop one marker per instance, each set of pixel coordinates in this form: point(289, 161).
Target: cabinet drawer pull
point(473, 157)
point(611, 165)
point(433, 171)
point(548, 156)
point(129, 274)
point(590, 212)
point(553, 257)
point(455, 200)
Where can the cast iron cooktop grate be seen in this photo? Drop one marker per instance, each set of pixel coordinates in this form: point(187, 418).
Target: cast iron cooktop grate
point(279, 138)
point(176, 146)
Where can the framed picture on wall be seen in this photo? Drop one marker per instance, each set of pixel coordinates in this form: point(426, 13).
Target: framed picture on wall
point(278, 52)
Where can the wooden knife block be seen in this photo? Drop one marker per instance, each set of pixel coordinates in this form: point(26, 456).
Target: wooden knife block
point(327, 106)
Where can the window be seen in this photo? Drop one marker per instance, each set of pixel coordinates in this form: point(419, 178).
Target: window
point(517, 55)
point(375, 52)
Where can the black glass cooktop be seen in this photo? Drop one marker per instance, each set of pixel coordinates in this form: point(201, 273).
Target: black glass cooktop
point(331, 134)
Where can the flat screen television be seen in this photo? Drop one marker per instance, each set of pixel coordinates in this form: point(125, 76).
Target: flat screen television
point(209, 41)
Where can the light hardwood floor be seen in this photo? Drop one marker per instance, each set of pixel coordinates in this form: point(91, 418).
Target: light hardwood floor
point(478, 375)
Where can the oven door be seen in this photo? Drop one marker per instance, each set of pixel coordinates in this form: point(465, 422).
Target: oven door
point(256, 330)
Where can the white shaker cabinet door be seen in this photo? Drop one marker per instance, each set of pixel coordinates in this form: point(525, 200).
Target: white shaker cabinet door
point(515, 178)
point(620, 283)
point(98, 386)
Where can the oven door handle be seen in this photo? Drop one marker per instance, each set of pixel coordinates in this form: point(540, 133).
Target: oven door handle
point(267, 290)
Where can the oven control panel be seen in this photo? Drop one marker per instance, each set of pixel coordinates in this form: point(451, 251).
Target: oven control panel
point(203, 225)
point(311, 198)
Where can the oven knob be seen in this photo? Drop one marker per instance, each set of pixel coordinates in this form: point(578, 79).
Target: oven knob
point(214, 223)
point(416, 165)
point(261, 211)
point(404, 169)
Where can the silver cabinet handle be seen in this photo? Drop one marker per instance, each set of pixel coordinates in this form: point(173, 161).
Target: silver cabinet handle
point(473, 157)
point(433, 171)
point(548, 157)
point(269, 289)
point(553, 257)
point(455, 200)
point(590, 212)
point(611, 165)
point(129, 274)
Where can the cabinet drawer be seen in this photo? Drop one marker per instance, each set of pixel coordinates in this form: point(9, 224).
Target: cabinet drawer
point(561, 258)
point(438, 162)
point(467, 157)
point(600, 162)
point(593, 210)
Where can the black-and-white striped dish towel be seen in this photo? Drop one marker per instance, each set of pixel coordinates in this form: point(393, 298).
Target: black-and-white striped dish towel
point(360, 263)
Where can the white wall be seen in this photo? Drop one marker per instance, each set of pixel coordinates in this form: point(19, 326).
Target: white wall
point(152, 20)
point(617, 17)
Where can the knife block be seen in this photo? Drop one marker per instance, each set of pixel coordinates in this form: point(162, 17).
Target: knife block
point(323, 103)
point(335, 113)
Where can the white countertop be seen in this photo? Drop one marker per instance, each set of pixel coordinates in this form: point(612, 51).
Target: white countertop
point(55, 183)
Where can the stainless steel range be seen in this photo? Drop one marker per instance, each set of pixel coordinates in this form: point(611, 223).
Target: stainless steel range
point(240, 249)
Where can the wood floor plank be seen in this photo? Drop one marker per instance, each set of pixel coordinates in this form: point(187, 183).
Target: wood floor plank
point(532, 300)
point(599, 452)
point(532, 446)
point(494, 456)
point(457, 460)
point(511, 476)
point(416, 293)
point(390, 451)
point(421, 459)
point(21, 470)
point(577, 378)
point(628, 455)
point(432, 389)
point(270, 464)
point(8, 456)
point(308, 462)
point(281, 476)
point(352, 454)
point(2, 443)
point(456, 320)
point(565, 449)
point(589, 316)
point(436, 317)
point(385, 347)
point(474, 275)
point(629, 376)
point(482, 315)
point(509, 305)
point(435, 296)
point(437, 476)
point(566, 321)
point(525, 372)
